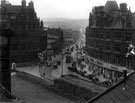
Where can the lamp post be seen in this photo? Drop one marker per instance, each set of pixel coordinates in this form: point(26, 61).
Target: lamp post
point(62, 60)
point(62, 66)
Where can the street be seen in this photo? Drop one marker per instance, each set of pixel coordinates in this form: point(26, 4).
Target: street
point(62, 69)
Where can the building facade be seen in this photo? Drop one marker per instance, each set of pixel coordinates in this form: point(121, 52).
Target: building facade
point(70, 36)
point(30, 36)
point(111, 29)
point(54, 41)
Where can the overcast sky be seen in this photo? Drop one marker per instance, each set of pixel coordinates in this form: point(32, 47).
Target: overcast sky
point(68, 8)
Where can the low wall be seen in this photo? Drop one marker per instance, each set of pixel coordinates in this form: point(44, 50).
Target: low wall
point(46, 84)
point(26, 64)
point(74, 90)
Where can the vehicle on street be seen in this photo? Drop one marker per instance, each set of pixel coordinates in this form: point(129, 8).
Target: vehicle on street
point(68, 59)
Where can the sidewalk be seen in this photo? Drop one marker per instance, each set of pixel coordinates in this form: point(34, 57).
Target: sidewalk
point(35, 70)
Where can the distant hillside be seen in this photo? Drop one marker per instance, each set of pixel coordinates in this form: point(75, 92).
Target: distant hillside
point(74, 24)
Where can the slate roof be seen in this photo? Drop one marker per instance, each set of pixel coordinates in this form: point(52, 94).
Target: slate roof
point(111, 11)
point(117, 94)
point(8, 8)
point(111, 6)
point(17, 9)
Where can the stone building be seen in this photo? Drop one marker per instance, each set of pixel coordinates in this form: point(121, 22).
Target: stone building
point(111, 29)
point(30, 36)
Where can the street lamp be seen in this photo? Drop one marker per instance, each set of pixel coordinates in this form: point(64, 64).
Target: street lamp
point(62, 66)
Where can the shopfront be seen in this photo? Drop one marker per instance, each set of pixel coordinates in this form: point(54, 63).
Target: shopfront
point(109, 71)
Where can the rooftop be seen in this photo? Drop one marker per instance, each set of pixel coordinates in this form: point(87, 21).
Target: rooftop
point(111, 6)
point(118, 93)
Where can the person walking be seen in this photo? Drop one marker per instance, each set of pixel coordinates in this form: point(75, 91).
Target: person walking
point(32, 65)
point(13, 66)
point(40, 63)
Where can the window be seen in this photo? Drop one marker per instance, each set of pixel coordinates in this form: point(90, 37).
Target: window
point(108, 37)
point(117, 48)
point(23, 26)
point(117, 37)
point(23, 47)
point(22, 16)
point(97, 45)
point(126, 48)
point(101, 47)
point(15, 47)
point(12, 16)
point(108, 58)
point(128, 63)
point(128, 37)
point(116, 59)
point(108, 46)
point(101, 36)
point(97, 35)
point(101, 56)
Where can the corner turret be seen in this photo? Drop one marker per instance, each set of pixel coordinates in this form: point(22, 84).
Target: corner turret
point(31, 4)
point(24, 3)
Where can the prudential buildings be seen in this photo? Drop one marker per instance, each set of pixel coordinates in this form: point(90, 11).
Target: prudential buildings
point(111, 29)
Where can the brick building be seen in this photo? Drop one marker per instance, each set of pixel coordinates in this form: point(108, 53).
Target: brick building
point(111, 29)
point(30, 37)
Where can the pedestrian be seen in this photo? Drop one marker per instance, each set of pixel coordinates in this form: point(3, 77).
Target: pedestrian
point(40, 67)
point(43, 75)
point(32, 65)
point(13, 66)
point(41, 64)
